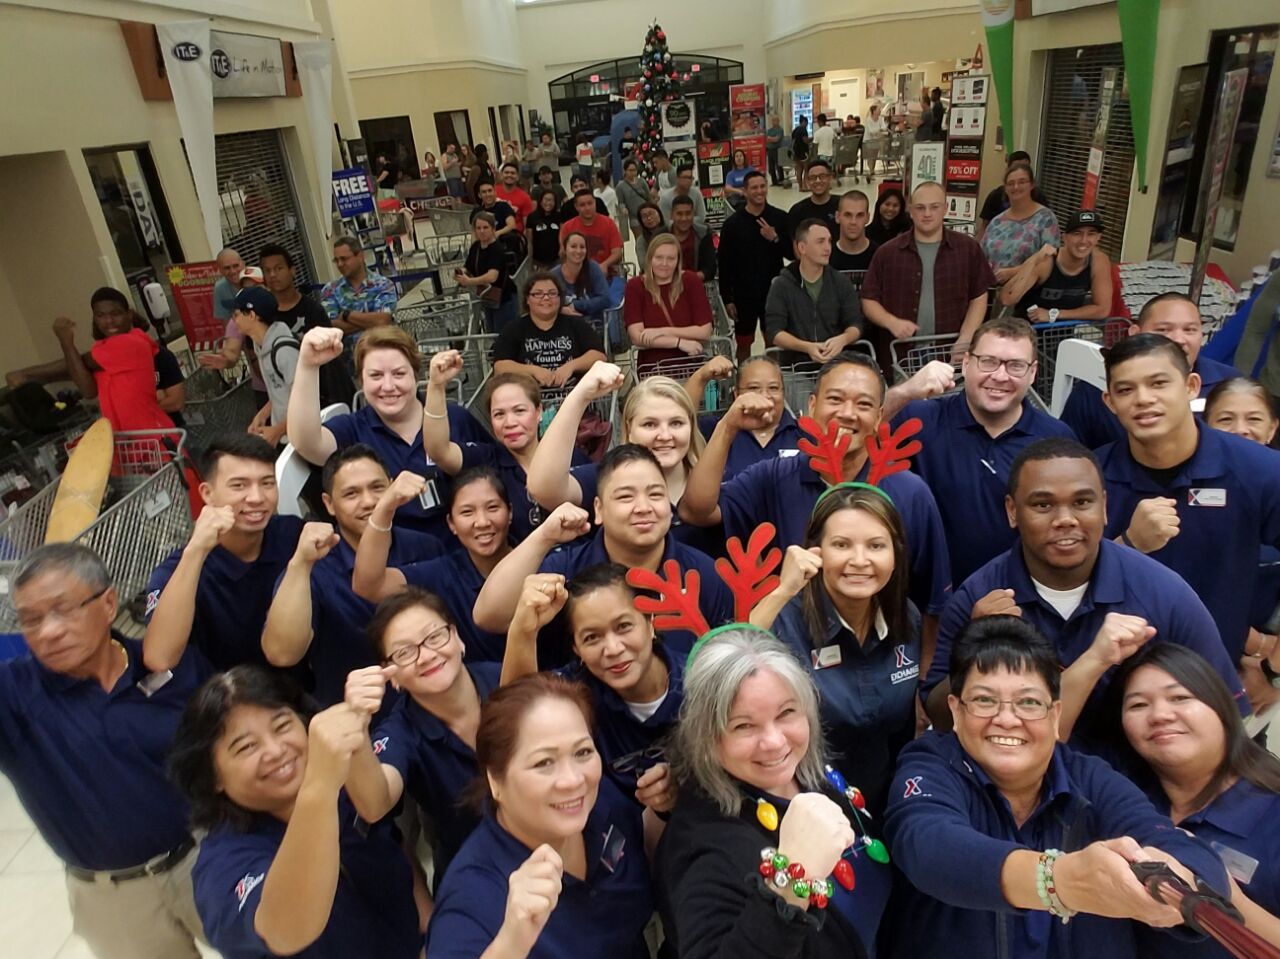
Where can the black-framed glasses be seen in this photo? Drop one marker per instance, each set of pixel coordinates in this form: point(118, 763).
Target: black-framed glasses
point(640, 761)
point(409, 654)
point(544, 294)
point(989, 364)
point(988, 707)
point(63, 611)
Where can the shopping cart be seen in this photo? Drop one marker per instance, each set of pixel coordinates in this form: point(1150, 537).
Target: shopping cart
point(1049, 337)
point(477, 362)
point(216, 403)
point(438, 317)
point(721, 323)
point(680, 368)
point(448, 214)
point(146, 516)
point(30, 461)
point(845, 158)
point(914, 353)
point(602, 410)
point(443, 251)
point(799, 380)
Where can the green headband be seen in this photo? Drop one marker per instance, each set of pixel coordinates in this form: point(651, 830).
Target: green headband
point(713, 633)
point(852, 484)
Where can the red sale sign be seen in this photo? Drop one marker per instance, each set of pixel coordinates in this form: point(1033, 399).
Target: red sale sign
point(968, 171)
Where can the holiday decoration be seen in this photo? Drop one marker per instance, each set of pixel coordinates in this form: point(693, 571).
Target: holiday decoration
point(662, 83)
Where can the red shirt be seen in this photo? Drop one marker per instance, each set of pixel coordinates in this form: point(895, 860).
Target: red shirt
point(692, 309)
point(126, 381)
point(961, 273)
point(602, 236)
point(518, 200)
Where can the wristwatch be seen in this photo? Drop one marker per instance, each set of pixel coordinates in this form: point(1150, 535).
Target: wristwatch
point(1053, 315)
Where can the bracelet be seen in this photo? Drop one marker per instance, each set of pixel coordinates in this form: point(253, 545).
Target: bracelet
point(1124, 538)
point(373, 525)
point(434, 416)
point(1045, 887)
point(785, 874)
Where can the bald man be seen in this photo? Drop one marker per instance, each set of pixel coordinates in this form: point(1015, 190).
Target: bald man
point(230, 265)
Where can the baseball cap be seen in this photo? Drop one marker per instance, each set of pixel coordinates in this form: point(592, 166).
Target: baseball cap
point(1078, 221)
point(255, 299)
point(250, 273)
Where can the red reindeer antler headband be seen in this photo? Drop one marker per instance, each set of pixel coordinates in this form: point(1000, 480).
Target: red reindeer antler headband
point(889, 451)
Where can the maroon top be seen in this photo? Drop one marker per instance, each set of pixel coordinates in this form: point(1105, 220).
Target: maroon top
point(961, 273)
point(692, 309)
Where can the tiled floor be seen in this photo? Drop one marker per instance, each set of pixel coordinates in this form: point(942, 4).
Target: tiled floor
point(34, 919)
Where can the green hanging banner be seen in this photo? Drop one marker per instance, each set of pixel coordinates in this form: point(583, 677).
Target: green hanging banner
point(1139, 20)
point(997, 18)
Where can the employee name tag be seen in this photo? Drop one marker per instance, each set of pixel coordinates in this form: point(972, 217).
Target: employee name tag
point(1241, 866)
point(826, 657)
point(429, 498)
point(1206, 497)
point(613, 850)
point(152, 683)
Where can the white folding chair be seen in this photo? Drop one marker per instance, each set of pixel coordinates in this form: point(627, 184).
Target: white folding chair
point(292, 471)
point(1078, 361)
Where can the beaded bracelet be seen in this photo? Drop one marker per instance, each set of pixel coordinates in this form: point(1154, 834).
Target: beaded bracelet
point(783, 873)
point(1045, 887)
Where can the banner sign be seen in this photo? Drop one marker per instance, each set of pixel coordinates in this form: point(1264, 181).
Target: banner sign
point(746, 107)
point(967, 121)
point(1098, 147)
point(314, 60)
point(926, 163)
point(963, 208)
point(997, 20)
point(245, 66)
point(714, 160)
point(192, 287)
point(969, 90)
point(185, 47)
point(968, 171)
point(1222, 132)
point(964, 150)
point(678, 121)
point(352, 191)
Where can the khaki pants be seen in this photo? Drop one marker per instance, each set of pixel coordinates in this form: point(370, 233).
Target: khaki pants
point(153, 917)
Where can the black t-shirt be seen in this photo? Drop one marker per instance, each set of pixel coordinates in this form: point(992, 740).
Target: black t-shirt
point(480, 260)
point(800, 142)
point(840, 260)
point(569, 338)
point(806, 209)
point(501, 210)
point(1163, 477)
point(543, 230)
point(168, 374)
point(304, 315)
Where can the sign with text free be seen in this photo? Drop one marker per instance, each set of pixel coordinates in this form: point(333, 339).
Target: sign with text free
point(352, 192)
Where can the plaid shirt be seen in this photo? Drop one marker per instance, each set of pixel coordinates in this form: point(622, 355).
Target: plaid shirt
point(377, 295)
point(961, 273)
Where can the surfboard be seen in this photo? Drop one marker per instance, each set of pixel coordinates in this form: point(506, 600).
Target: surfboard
point(83, 484)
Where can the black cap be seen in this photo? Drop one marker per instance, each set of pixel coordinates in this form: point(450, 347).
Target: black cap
point(254, 299)
point(1089, 218)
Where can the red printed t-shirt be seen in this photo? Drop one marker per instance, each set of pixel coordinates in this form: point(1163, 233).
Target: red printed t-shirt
point(126, 381)
point(692, 309)
point(602, 236)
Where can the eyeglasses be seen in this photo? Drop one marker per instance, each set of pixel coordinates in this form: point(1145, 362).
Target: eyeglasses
point(639, 761)
point(988, 707)
point(544, 295)
point(63, 612)
point(989, 364)
point(408, 655)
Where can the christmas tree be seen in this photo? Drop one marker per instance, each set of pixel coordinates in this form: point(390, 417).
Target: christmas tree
point(659, 83)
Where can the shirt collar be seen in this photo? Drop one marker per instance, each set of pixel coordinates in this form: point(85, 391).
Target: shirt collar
point(1054, 784)
point(836, 623)
point(959, 415)
point(1240, 810)
point(1207, 462)
point(1106, 583)
point(135, 671)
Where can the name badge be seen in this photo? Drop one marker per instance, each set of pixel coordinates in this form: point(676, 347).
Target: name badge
point(826, 657)
point(429, 498)
point(1206, 497)
point(1241, 866)
point(152, 683)
point(614, 849)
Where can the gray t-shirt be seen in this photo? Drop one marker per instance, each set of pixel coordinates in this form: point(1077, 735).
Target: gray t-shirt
point(924, 314)
point(278, 358)
point(224, 299)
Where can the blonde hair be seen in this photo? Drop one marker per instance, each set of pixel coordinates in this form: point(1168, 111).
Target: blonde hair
point(664, 388)
point(650, 284)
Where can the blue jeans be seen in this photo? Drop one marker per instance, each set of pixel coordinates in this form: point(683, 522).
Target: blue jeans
point(454, 186)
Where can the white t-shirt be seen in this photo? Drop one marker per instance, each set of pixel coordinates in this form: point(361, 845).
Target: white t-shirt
point(610, 197)
point(875, 127)
point(1065, 601)
point(824, 141)
point(584, 153)
point(642, 711)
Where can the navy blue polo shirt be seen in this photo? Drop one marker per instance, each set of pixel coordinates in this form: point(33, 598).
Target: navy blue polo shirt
point(867, 693)
point(745, 451)
point(373, 910)
point(705, 539)
point(968, 471)
point(622, 738)
point(365, 426)
point(339, 616)
point(1096, 425)
point(1123, 581)
point(784, 491)
point(603, 915)
point(526, 515)
point(1239, 826)
point(233, 597)
point(89, 765)
point(455, 579)
point(436, 766)
point(1228, 497)
point(950, 830)
point(714, 598)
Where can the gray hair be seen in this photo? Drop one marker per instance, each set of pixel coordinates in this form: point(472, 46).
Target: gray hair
point(74, 559)
point(710, 688)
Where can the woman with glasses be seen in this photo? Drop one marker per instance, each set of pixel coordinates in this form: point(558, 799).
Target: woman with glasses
point(768, 853)
point(427, 744)
point(1018, 233)
point(650, 224)
point(1011, 843)
point(288, 866)
point(551, 346)
point(556, 869)
point(635, 683)
point(1181, 735)
point(841, 605)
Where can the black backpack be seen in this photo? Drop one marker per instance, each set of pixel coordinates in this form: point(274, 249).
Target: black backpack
point(35, 409)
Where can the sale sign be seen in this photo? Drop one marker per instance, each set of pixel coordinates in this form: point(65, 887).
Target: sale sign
point(968, 171)
point(746, 107)
point(192, 286)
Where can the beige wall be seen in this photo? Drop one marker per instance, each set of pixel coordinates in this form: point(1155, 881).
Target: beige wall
point(78, 91)
point(1183, 38)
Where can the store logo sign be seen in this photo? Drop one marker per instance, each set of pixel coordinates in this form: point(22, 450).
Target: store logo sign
point(221, 64)
point(186, 51)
